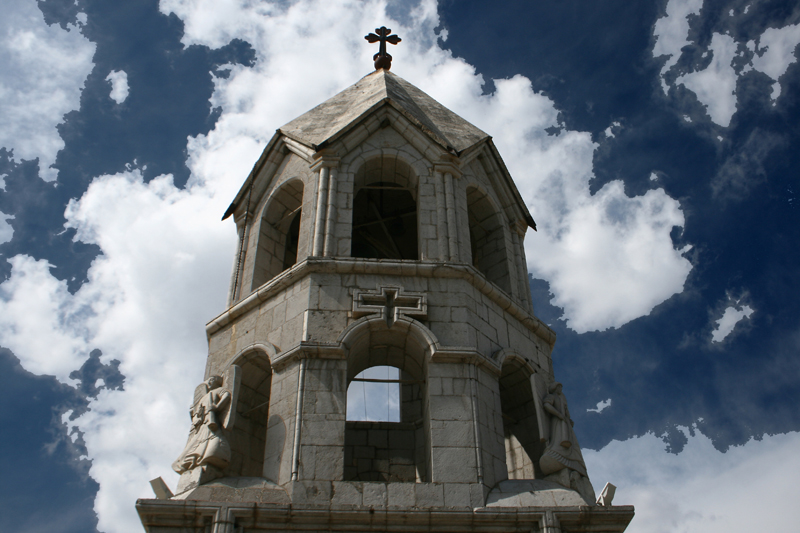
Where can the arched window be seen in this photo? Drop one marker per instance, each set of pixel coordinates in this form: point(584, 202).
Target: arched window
point(487, 239)
point(385, 210)
point(279, 233)
point(248, 435)
point(520, 426)
point(386, 432)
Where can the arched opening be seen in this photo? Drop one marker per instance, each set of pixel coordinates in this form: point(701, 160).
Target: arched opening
point(279, 233)
point(249, 432)
point(520, 426)
point(386, 431)
point(385, 210)
point(487, 239)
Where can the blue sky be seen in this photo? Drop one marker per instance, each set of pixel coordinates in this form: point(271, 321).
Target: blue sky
point(654, 143)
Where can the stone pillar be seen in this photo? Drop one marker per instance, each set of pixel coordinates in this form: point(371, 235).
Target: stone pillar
point(330, 221)
point(441, 216)
point(298, 419)
point(474, 397)
point(550, 523)
point(238, 264)
point(450, 200)
point(517, 240)
point(319, 222)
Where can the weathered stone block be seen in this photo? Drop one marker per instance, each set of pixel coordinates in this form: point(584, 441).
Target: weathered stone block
point(454, 465)
point(346, 493)
point(429, 495)
point(401, 494)
point(374, 495)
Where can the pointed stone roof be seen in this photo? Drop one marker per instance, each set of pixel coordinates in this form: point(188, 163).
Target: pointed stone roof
point(329, 120)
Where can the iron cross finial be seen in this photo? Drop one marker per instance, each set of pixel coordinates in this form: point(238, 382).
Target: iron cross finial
point(382, 58)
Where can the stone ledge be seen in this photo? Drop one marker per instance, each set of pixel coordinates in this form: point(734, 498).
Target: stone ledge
point(382, 267)
point(533, 493)
point(171, 515)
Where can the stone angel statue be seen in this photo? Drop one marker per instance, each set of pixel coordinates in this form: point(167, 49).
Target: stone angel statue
point(212, 410)
point(561, 445)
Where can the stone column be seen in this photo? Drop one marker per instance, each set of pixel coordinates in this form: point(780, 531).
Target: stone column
point(330, 220)
point(319, 222)
point(550, 523)
point(441, 216)
point(474, 396)
point(298, 420)
point(517, 241)
point(452, 233)
point(238, 264)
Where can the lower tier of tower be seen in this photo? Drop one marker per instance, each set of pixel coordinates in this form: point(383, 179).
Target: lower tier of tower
point(243, 505)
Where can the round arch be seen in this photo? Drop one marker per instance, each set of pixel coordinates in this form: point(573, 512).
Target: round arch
point(487, 236)
point(385, 206)
point(278, 232)
point(407, 345)
point(523, 444)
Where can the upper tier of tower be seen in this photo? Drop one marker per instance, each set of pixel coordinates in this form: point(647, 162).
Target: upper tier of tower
point(381, 171)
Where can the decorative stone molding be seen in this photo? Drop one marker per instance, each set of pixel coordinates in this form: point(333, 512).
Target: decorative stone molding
point(390, 302)
point(340, 265)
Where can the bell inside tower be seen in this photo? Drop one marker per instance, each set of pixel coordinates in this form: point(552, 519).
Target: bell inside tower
point(385, 210)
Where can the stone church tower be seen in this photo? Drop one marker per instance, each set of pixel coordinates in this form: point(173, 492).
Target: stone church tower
point(380, 229)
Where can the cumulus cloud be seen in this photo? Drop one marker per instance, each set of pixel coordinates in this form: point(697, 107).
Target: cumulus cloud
point(728, 321)
point(162, 275)
point(166, 257)
point(702, 489)
point(776, 52)
point(42, 71)
point(6, 230)
point(119, 85)
point(672, 31)
point(715, 86)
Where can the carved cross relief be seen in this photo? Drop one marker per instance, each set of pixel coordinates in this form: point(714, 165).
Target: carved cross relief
point(390, 303)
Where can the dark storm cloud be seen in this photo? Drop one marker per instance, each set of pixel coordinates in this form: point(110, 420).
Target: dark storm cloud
point(170, 86)
point(737, 193)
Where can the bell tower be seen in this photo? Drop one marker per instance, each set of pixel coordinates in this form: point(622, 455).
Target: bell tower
point(380, 230)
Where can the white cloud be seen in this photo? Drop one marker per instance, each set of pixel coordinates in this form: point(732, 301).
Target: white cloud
point(601, 406)
point(608, 257)
point(776, 53)
point(609, 131)
point(6, 231)
point(715, 85)
point(748, 488)
point(42, 71)
point(119, 85)
point(141, 306)
point(728, 321)
point(672, 32)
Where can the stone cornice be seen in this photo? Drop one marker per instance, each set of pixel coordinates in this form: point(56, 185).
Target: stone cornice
point(266, 516)
point(347, 265)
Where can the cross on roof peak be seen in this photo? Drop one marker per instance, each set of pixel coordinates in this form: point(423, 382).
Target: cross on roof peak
point(382, 35)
